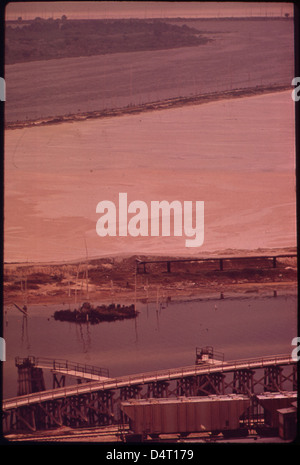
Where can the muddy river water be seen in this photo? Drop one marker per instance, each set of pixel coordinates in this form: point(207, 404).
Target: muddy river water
point(161, 337)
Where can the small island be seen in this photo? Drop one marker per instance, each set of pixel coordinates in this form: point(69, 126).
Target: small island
point(94, 315)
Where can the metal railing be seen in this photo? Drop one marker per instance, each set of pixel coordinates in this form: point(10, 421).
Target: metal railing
point(147, 377)
point(64, 366)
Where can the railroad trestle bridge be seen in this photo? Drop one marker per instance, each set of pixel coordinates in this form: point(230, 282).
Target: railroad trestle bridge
point(96, 399)
point(237, 262)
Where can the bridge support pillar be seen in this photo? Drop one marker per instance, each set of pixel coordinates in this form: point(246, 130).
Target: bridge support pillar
point(158, 389)
point(273, 378)
point(243, 382)
point(130, 392)
point(99, 408)
point(295, 377)
point(201, 385)
point(20, 419)
point(187, 386)
point(212, 383)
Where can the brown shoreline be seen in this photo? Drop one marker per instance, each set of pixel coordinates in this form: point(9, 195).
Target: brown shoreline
point(151, 106)
point(114, 280)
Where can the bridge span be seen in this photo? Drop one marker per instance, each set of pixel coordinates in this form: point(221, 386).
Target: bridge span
point(98, 403)
point(159, 376)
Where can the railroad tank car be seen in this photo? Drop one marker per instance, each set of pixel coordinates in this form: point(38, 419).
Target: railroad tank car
point(185, 415)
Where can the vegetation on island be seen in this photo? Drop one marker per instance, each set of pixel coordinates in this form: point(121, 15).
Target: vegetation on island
point(45, 39)
point(94, 315)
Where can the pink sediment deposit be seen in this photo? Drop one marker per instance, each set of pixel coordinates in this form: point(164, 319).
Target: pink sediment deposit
point(236, 155)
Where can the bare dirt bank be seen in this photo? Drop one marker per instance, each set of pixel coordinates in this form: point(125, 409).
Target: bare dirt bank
point(115, 279)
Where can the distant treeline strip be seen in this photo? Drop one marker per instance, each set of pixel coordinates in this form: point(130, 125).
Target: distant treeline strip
point(47, 39)
point(159, 105)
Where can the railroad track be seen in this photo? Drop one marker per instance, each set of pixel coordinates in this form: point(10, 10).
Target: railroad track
point(109, 434)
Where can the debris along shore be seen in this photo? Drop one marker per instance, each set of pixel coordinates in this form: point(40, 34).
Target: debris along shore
point(150, 106)
point(95, 315)
point(114, 279)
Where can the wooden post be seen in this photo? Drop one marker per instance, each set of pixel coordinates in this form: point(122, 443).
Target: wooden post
point(87, 281)
point(135, 290)
point(76, 284)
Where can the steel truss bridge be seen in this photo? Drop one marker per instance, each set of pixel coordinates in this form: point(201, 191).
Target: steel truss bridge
point(97, 402)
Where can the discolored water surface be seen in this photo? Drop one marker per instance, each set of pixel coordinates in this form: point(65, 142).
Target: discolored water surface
point(161, 337)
